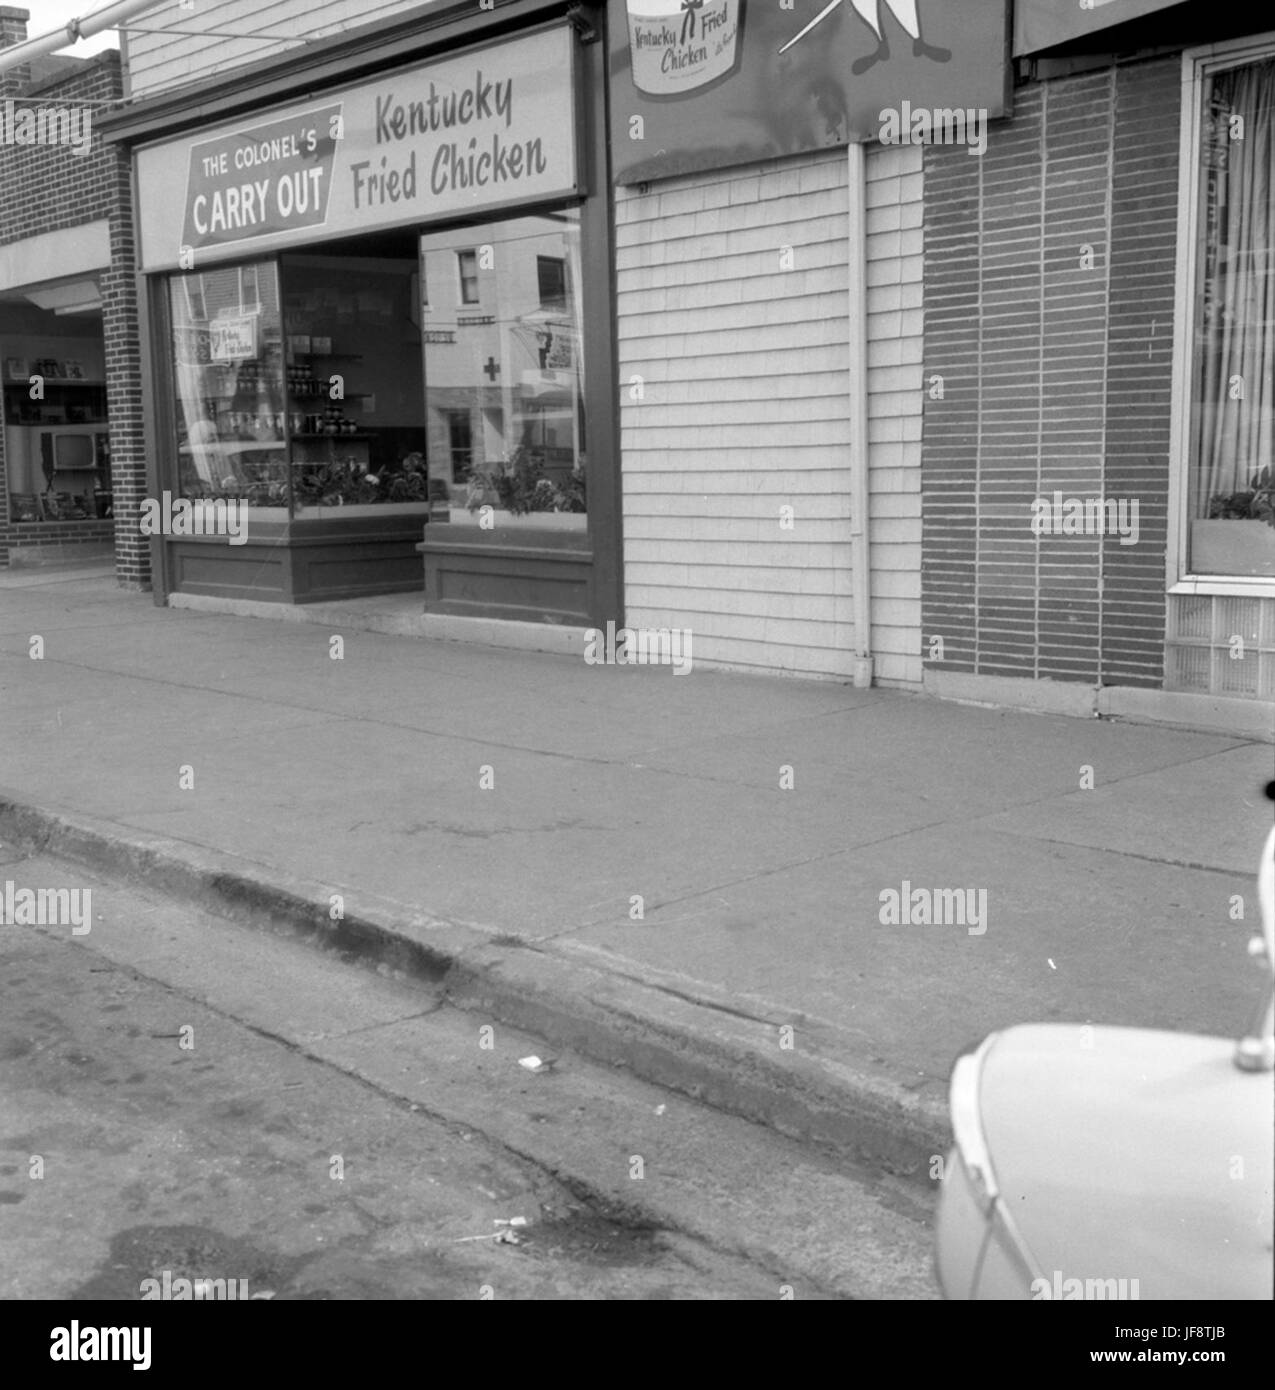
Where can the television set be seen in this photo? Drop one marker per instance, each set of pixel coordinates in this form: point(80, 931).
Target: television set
point(72, 452)
point(69, 451)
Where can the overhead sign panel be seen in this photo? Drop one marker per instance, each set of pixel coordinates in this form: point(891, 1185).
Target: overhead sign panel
point(706, 84)
point(494, 128)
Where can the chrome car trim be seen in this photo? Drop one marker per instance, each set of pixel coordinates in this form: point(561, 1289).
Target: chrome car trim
point(967, 1125)
point(1005, 1232)
point(975, 1154)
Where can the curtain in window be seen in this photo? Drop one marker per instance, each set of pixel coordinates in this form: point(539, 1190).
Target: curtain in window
point(1235, 336)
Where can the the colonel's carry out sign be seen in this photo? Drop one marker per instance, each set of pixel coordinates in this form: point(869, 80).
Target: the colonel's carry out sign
point(268, 178)
point(705, 84)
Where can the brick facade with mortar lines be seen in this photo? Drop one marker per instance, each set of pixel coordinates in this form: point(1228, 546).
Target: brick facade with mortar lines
point(1056, 377)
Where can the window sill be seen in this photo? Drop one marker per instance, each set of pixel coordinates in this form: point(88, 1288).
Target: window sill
point(1250, 587)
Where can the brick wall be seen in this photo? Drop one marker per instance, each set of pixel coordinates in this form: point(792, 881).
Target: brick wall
point(13, 29)
point(44, 188)
point(122, 332)
point(50, 188)
point(1056, 375)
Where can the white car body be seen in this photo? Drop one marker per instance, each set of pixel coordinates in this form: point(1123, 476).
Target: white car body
point(1114, 1163)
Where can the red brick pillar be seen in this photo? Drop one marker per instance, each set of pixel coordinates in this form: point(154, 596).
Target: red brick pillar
point(13, 29)
point(122, 334)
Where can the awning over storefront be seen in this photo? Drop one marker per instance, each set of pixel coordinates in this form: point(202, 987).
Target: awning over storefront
point(1042, 24)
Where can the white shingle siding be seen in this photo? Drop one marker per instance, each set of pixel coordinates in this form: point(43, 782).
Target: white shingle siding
point(745, 408)
point(159, 61)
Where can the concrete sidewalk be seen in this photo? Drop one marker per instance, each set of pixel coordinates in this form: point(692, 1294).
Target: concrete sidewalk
point(493, 817)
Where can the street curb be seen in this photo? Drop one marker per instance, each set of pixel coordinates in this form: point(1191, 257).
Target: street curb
point(707, 1048)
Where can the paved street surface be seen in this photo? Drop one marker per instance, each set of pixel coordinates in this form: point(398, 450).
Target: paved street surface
point(330, 1134)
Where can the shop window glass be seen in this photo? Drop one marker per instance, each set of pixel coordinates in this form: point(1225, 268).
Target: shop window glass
point(1232, 476)
point(298, 384)
point(228, 379)
point(356, 412)
point(514, 374)
point(56, 443)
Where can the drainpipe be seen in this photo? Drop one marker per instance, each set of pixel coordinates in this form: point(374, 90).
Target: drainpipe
point(107, 18)
point(861, 577)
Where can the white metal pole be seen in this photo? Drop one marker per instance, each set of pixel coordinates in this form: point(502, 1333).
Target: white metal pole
point(861, 577)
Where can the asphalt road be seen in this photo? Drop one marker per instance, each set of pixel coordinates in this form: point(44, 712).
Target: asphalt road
point(186, 1094)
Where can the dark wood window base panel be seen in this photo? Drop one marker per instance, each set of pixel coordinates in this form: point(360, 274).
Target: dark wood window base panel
point(553, 585)
point(319, 562)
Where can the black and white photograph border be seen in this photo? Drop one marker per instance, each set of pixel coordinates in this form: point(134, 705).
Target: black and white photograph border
point(637, 663)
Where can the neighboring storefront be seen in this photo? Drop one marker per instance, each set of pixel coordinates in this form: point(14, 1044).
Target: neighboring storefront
point(1099, 498)
point(379, 325)
point(65, 400)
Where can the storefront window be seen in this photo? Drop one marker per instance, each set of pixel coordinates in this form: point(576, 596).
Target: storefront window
point(504, 378)
point(1233, 426)
point(228, 373)
point(56, 439)
point(450, 380)
point(356, 413)
point(315, 406)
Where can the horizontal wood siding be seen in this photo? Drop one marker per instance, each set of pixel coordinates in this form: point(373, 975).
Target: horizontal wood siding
point(731, 303)
point(734, 351)
point(163, 60)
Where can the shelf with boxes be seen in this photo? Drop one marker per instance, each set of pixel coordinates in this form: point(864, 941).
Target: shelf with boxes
point(58, 403)
point(331, 451)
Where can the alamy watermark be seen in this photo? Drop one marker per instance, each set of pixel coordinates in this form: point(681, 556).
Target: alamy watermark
point(906, 906)
point(924, 125)
point(1086, 516)
point(70, 126)
point(1075, 1289)
point(48, 907)
point(641, 646)
point(180, 1289)
point(76, 1343)
point(200, 516)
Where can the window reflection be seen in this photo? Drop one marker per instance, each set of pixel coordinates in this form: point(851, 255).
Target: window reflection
point(503, 372)
point(228, 368)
